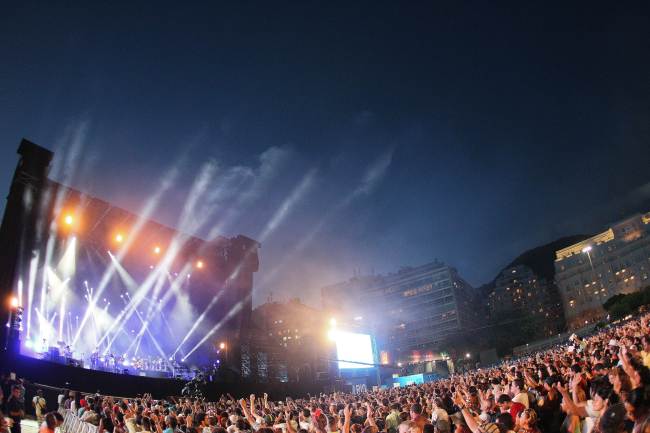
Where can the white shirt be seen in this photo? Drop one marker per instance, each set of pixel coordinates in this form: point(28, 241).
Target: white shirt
point(522, 398)
point(439, 414)
point(590, 420)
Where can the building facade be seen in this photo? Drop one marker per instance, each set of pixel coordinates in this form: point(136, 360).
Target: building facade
point(616, 261)
point(288, 342)
point(519, 292)
point(411, 312)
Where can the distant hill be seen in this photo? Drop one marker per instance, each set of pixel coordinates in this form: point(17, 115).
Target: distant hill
point(539, 259)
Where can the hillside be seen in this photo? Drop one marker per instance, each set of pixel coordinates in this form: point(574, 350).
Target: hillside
point(539, 259)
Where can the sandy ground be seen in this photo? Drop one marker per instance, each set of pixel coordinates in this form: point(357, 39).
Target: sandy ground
point(29, 426)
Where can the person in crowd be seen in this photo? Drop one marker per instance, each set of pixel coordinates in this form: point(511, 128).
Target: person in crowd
point(40, 405)
point(439, 416)
point(60, 398)
point(527, 422)
point(49, 424)
point(416, 415)
point(15, 408)
point(520, 394)
point(392, 419)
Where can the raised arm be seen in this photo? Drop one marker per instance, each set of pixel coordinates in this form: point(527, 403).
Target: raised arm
point(287, 422)
point(247, 414)
point(253, 406)
point(156, 421)
point(469, 419)
point(370, 416)
point(347, 412)
point(572, 408)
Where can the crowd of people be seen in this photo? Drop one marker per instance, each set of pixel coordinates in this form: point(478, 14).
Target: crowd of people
point(599, 384)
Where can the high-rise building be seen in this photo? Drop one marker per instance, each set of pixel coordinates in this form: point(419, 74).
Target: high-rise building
point(519, 293)
point(616, 261)
point(412, 312)
point(288, 342)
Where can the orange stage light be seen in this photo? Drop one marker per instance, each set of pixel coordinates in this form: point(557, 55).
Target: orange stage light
point(199, 264)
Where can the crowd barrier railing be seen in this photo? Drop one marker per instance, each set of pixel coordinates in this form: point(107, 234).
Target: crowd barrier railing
point(73, 424)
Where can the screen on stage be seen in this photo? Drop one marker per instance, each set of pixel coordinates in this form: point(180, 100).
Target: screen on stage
point(353, 348)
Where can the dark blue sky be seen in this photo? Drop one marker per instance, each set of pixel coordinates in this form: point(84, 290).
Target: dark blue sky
point(347, 135)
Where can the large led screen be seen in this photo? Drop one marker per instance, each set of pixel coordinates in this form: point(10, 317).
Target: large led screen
point(354, 350)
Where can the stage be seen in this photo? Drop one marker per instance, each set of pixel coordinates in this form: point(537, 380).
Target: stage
point(37, 371)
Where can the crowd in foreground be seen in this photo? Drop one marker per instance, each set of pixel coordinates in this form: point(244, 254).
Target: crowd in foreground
point(599, 384)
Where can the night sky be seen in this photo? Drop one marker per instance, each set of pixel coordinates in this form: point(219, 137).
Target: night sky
point(346, 136)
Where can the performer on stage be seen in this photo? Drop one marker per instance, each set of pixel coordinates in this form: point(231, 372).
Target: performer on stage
point(94, 359)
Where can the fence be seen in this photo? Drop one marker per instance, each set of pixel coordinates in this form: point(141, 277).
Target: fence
point(73, 424)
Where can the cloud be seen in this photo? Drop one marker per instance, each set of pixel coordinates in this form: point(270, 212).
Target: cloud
point(241, 185)
point(374, 173)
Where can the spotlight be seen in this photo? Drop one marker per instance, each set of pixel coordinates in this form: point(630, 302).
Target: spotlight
point(199, 264)
point(68, 220)
point(222, 345)
point(156, 250)
point(119, 238)
point(332, 322)
point(14, 302)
